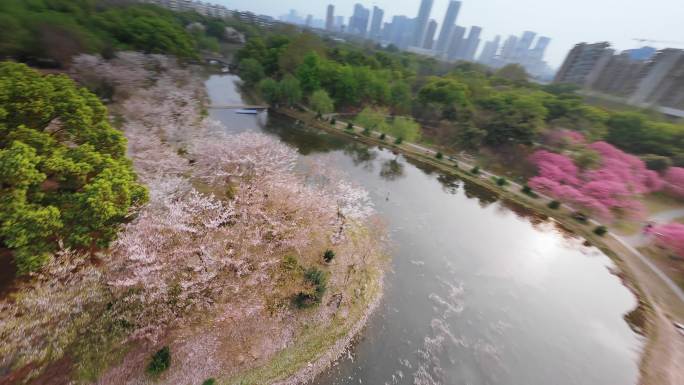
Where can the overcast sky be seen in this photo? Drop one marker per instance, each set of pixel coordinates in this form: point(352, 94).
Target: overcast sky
point(566, 22)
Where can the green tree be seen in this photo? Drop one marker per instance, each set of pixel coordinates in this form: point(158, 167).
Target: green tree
point(295, 52)
point(251, 71)
point(289, 90)
point(63, 170)
point(321, 102)
point(400, 97)
point(586, 158)
point(448, 94)
point(372, 119)
point(511, 117)
point(470, 137)
point(309, 73)
point(269, 90)
point(513, 72)
point(404, 128)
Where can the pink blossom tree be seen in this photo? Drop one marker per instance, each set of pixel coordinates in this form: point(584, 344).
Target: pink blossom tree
point(611, 188)
point(674, 181)
point(670, 236)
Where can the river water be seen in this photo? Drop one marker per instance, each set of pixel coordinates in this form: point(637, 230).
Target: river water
point(480, 291)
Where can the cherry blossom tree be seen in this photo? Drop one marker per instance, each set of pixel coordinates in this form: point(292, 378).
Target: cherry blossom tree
point(611, 188)
point(674, 181)
point(670, 236)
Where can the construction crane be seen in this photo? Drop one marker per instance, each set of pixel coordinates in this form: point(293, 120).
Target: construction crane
point(641, 40)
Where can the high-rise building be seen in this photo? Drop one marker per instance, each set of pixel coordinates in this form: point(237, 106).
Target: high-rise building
point(620, 76)
point(584, 63)
point(456, 43)
point(643, 53)
point(358, 23)
point(472, 43)
point(489, 52)
point(537, 53)
point(522, 49)
point(309, 20)
point(508, 49)
point(430, 34)
point(330, 18)
point(421, 22)
point(400, 31)
point(662, 81)
point(339, 23)
point(376, 23)
point(448, 25)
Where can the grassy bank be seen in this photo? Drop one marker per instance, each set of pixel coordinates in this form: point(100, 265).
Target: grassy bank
point(319, 345)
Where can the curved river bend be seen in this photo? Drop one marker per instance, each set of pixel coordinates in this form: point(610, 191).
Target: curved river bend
point(480, 292)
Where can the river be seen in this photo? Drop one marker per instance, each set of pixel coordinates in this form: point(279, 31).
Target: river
point(480, 291)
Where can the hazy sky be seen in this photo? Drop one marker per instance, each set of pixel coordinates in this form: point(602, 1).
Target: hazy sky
point(566, 22)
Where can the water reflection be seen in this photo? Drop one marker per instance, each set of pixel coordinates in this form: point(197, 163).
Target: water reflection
point(391, 170)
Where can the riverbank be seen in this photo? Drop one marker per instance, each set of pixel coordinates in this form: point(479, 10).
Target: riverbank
point(659, 304)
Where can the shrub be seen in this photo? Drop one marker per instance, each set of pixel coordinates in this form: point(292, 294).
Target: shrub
point(527, 190)
point(475, 170)
point(328, 255)
point(501, 181)
point(350, 126)
point(303, 300)
point(333, 121)
point(600, 230)
point(439, 155)
point(209, 381)
point(657, 162)
point(554, 205)
point(290, 262)
point(319, 116)
point(456, 165)
point(580, 217)
point(319, 280)
point(366, 131)
point(383, 136)
point(398, 140)
point(161, 360)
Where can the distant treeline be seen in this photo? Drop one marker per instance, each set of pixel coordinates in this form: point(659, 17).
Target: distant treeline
point(50, 32)
point(466, 105)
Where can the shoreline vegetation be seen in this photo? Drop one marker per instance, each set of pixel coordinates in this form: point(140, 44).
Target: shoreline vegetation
point(655, 300)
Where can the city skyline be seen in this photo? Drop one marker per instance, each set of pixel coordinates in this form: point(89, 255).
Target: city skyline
point(560, 20)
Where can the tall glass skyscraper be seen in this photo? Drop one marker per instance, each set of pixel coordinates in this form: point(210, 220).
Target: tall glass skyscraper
point(376, 23)
point(420, 25)
point(448, 25)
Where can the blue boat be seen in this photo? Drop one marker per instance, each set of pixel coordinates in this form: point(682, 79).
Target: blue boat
point(249, 111)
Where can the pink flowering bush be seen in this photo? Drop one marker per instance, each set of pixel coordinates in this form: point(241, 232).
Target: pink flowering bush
point(670, 236)
point(610, 188)
point(674, 181)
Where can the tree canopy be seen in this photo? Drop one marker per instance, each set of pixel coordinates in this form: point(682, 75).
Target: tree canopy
point(63, 171)
point(43, 31)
